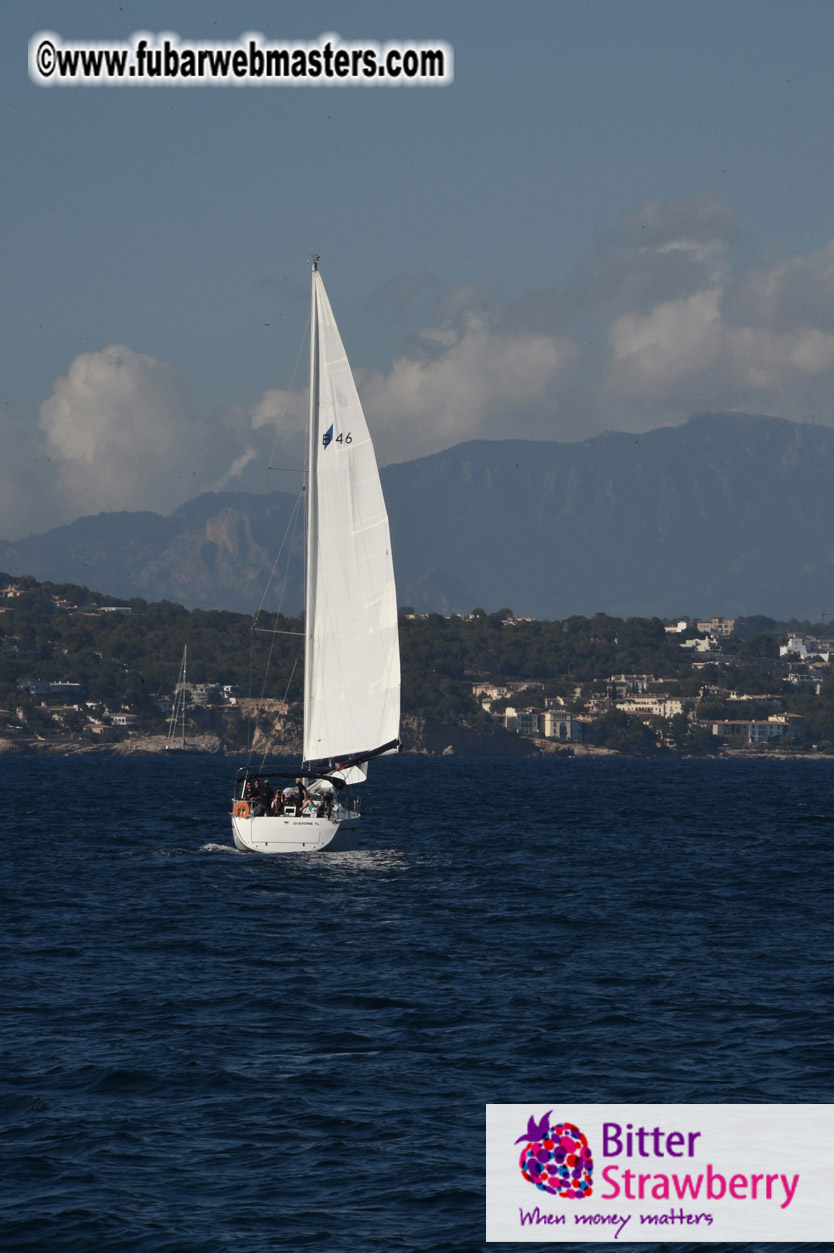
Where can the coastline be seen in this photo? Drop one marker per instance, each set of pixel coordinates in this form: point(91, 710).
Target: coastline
point(434, 740)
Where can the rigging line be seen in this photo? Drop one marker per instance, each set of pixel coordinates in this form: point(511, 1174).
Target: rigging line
point(283, 416)
point(253, 629)
point(283, 702)
point(286, 691)
point(268, 665)
point(297, 513)
point(250, 738)
point(292, 523)
point(249, 702)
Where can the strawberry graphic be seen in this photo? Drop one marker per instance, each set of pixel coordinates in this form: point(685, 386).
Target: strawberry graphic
point(557, 1158)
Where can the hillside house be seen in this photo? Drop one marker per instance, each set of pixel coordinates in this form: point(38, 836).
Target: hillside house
point(760, 699)
point(499, 691)
point(209, 693)
point(622, 685)
point(560, 725)
point(655, 706)
point(42, 687)
point(524, 721)
point(717, 626)
point(776, 727)
point(803, 647)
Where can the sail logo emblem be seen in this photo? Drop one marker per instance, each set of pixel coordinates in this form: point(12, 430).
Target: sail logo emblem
point(556, 1158)
point(327, 438)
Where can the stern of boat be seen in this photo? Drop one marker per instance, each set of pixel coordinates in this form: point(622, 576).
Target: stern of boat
point(283, 834)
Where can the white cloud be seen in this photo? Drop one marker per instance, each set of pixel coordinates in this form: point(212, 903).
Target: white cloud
point(656, 323)
point(120, 433)
point(759, 339)
point(652, 353)
point(449, 388)
point(230, 478)
point(118, 425)
point(762, 359)
point(284, 410)
point(460, 380)
point(660, 319)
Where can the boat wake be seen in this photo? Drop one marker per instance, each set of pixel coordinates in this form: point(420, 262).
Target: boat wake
point(221, 848)
point(364, 860)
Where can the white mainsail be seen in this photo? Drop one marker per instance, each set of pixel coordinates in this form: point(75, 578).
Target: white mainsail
point(352, 660)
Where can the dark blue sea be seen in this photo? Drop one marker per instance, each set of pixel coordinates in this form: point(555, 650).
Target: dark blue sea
point(207, 1051)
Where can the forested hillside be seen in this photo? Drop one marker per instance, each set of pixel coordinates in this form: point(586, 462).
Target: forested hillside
point(126, 655)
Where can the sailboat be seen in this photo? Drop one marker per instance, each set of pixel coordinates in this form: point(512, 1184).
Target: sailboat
point(352, 656)
point(175, 740)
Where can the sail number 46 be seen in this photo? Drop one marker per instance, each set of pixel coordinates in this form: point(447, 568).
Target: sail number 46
point(328, 437)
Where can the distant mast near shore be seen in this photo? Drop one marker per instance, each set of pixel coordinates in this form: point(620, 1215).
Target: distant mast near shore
point(176, 727)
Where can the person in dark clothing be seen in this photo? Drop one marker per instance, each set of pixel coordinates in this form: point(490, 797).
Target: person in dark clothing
point(255, 796)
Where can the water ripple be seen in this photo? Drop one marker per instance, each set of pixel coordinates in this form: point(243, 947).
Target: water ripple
point(214, 1052)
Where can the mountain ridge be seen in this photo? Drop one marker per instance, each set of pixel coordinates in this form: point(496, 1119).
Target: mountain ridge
point(727, 513)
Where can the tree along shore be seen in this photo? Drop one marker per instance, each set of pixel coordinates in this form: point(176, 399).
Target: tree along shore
point(72, 659)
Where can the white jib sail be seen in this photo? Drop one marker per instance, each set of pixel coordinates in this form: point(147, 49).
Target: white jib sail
point(352, 662)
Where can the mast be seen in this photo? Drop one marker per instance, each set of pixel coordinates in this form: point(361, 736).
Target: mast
point(310, 485)
point(184, 691)
point(178, 708)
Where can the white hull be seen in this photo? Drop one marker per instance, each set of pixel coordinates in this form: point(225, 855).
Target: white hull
point(286, 835)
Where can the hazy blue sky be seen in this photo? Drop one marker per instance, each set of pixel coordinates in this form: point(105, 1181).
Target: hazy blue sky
point(620, 213)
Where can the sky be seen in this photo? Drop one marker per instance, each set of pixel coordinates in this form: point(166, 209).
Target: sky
point(620, 213)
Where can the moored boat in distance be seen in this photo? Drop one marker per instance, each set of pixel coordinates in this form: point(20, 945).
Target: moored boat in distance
point(176, 741)
point(351, 653)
